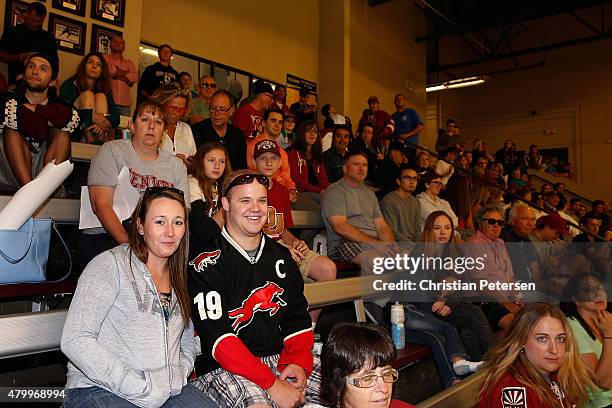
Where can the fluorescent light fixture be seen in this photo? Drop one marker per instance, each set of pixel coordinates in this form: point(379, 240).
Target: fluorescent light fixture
point(149, 51)
point(457, 83)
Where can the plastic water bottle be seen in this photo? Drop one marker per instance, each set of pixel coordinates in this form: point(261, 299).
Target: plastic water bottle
point(397, 326)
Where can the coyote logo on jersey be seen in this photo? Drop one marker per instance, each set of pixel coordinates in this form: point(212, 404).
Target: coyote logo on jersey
point(205, 259)
point(261, 299)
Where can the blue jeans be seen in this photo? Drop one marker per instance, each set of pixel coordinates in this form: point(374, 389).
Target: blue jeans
point(442, 337)
point(96, 397)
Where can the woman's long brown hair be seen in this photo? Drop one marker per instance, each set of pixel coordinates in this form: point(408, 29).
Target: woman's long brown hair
point(177, 262)
point(102, 84)
point(198, 171)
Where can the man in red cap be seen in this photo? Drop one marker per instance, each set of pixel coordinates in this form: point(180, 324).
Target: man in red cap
point(380, 120)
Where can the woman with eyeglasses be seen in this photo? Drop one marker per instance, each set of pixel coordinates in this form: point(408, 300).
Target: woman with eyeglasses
point(537, 364)
point(306, 161)
point(142, 163)
point(177, 137)
point(356, 367)
point(128, 334)
point(210, 168)
point(500, 306)
point(585, 303)
point(89, 90)
point(430, 201)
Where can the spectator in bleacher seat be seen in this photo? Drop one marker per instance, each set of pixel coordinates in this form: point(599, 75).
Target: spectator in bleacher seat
point(546, 188)
point(430, 201)
point(334, 157)
point(302, 109)
point(158, 74)
point(516, 179)
point(585, 303)
point(279, 220)
point(123, 75)
point(148, 165)
point(37, 125)
point(439, 240)
point(288, 135)
point(423, 169)
point(89, 91)
point(218, 129)
point(551, 201)
point(600, 210)
point(551, 166)
point(273, 125)
point(249, 309)
point(408, 124)
point(445, 165)
point(209, 169)
point(524, 257)
point(328, 111)
point(128, 334)
point(401, 209)
point(366, 143)
point(486, 243)
point(459, 192)
point(389, 169)
point(249, 117)
point(356, 367)
point(20, 42)
point(592, 247)
point(380, 120)
point(480, 150)
point(448, 138)
point(537, 365)
point(533, 158)
point(507, 157)
point(306, 161)
point(177, 137)
point(574, 206)
point(355, 225)
point(185, 81)
point(280, 99)
point(200, 107)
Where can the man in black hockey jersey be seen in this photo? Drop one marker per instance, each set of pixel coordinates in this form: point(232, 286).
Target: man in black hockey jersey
point(249, 309)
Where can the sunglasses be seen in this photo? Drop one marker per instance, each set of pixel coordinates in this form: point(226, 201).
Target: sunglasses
point(160, 190)
point(207, 85)
point(493, 221)
point(247, 179)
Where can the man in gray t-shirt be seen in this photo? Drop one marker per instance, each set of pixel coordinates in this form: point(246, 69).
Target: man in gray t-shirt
point(354, 222)
point(401, 209)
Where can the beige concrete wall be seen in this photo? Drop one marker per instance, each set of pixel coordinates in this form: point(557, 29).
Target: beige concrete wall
point(131, 34)
point(270, 38)
point(383, 55)
point(572, 93)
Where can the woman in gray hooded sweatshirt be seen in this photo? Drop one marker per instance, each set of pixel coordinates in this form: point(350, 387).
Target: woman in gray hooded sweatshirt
point(128, 333)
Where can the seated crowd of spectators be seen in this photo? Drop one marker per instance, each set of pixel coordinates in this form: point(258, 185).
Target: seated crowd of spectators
point(211, 241)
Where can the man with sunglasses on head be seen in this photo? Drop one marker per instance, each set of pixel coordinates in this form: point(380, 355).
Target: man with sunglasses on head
point(401, 209)
point(218, 129)
point(249, 117)
point(200, 106)
point(249, 309)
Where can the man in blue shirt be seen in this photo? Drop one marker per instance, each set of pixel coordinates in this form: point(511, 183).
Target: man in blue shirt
point(407, 124)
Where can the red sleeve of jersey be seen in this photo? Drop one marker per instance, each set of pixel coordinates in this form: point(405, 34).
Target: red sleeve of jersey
point(235, 357)
point(298, 350)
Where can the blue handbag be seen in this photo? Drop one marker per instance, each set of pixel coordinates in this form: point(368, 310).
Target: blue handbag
point(24, 253)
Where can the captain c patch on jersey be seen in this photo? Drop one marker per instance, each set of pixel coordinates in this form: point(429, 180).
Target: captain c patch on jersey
point(205, 259)
point(514, 397)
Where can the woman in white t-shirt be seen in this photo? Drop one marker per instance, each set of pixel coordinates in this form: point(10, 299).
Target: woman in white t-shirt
point(177, 137)
point(210, 167)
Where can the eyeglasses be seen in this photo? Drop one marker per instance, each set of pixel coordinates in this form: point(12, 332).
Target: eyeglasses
point(437, 183)
point(369, 381)
point(247, 179)
point(410, 178)
point(206, 85)
point(160, 190)
point(218, 109)
point(313, 130)
point(493, 221)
